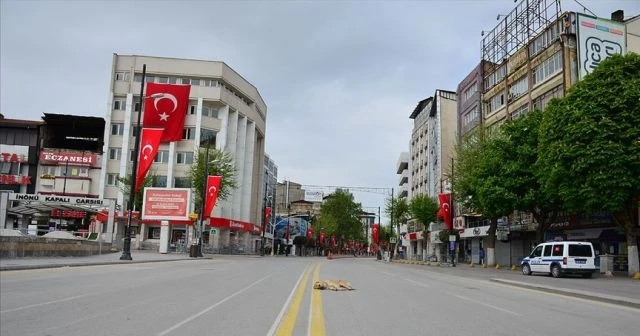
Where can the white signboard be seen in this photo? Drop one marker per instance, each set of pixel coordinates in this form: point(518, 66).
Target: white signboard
point(597, 40)
point(59, 199)
point(313, 196)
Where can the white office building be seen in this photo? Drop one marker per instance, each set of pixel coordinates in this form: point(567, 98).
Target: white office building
point(224, 107)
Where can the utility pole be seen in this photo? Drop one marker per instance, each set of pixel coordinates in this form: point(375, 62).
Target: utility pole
point(391, 226)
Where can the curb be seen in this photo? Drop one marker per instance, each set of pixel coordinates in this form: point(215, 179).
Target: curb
point(578, 294)
point(97, 263)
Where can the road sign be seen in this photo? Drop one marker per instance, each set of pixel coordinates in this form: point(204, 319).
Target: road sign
point(392, 240)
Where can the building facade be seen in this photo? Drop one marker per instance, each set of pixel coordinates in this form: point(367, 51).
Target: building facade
point(223, 108)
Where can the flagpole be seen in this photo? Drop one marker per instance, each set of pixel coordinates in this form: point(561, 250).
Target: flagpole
point(264, 214)
point(126, 249)
point(204, 197)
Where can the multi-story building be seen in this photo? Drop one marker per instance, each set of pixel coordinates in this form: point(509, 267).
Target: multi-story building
point(271, 183)
point(469, 102)
point(432, 149)
point(224, 108)
point(19, 147)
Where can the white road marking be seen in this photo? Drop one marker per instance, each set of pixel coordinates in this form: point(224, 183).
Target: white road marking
point(422, 284)
point(46, 303)
point(486, 304)
point(206, 310)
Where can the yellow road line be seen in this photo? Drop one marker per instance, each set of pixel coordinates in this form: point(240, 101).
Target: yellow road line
point(289, 320)
point(316, 313)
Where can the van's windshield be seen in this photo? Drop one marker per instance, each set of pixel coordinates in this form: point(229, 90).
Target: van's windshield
point(580, 251)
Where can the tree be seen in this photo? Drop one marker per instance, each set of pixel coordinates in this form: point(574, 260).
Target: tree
point(124, 184)
point(479, 182)
point(424, 209)
point(518, 145)
point(220, 164)
point(398, 209)
point(340, 216)
point(590, 145)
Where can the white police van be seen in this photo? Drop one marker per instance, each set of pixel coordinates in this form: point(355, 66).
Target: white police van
point(561, 257)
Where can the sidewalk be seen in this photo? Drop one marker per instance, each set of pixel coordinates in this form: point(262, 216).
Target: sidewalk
point(620, 290)
point(138, 256)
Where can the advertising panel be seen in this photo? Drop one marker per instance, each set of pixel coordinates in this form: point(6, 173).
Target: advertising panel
point(313, 196)
point(166, 203)
point(598, 39)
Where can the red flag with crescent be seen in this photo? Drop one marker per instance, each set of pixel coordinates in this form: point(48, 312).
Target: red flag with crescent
point(149, 143)
point(213, 187)
point(445, 209)
point(322, 238)
point(167, 110)
point(267, 214)
point(374, 233)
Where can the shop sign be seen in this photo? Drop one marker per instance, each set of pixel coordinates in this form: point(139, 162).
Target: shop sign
point(15, 179)
point(71, 158)
point(56, 213)
point(166, 203)
point(59, 199)
point(13, 157)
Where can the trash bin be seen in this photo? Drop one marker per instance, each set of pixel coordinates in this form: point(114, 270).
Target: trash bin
point(193, 251)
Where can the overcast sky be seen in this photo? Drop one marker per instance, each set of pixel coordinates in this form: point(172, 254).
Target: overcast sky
point(340, 79)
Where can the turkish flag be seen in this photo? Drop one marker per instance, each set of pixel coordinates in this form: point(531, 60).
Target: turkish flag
point(267, 213)
point(321, 238)
point(309, 233)
point(213, 187)
point(333, 241)
point(149, 143)
point(168, 110)
point(445, 209)
point(374, 233)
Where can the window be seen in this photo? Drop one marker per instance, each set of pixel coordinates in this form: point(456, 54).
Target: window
point(209, 82)
point(549, 67)
point(48, 170)
point(206, 136)
point(181, 182)
point(163, 80)
point(122, 76)
point(545, 39)
point(547, 251)
point(557, 250)
point(173, 80)
point(469, 92)
point(115, 153)
point(150, 79)
point(189, 133)
point(537, 252)
point(134, 130)
point(192, 109)
point(131, 157)
point(495, 103)
point(185, 81)
point(154, 233)
point(136, 106)
point(112, 179)
point(117, 129)
point(519, 87)
point(5, 167)
point(495, 78)
point(540, 103)
point(470, 119)
point(576, 250)
point(119, 104)
point(195, 81)
point(520, 111)
point(137, 78)
point(160, 181)
point(210, 111)
point(162, 156)
point(184, 158)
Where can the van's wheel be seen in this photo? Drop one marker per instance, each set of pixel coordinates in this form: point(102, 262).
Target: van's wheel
point(526, 270)
point(555, 271)
point(587, 275)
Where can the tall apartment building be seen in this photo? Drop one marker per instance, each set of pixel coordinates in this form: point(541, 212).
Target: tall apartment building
point(224, 108)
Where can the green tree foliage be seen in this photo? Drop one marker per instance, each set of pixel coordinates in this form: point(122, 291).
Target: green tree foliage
point(424, 209)
point(124, 184)
point(517, 145)
point(340, 216)
point(480, 181)
point(220, 164)
point(590, 144)
point(398, 209)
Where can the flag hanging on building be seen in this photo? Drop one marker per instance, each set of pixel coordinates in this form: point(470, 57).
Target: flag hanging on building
point(374, 233)
point(445, 209)
point(149, 143)
point(213, 187)
point(167, 110)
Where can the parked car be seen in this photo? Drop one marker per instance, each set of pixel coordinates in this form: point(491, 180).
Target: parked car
point(559, 258)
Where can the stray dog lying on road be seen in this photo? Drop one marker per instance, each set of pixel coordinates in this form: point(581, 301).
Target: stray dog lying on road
point(335, 285)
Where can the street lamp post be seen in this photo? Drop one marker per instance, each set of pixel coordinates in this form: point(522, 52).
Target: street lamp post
point(203, 196)
point(126, 249)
